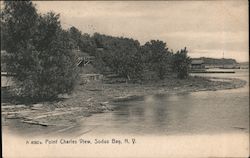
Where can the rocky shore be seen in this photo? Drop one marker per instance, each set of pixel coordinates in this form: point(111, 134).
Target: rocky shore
point(98, 96)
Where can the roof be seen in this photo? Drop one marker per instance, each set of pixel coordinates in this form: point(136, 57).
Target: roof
point(197, 61)
point(82, 54)
point(99, 48)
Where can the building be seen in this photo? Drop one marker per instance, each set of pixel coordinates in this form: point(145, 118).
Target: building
point(100, 49)
point(197, 64)
point(83, 58)
point(87, 72)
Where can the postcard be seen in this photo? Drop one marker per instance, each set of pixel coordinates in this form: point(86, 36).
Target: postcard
point(125, 79)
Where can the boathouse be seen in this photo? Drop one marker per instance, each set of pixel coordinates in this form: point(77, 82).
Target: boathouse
point(197, 64)
point(83, 58)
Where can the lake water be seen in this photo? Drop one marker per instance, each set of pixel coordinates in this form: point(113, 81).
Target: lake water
point(199, 124)
point(207, 112)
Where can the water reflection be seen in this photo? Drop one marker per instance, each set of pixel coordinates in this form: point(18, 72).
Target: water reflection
point(203, 112)
point(198, 112)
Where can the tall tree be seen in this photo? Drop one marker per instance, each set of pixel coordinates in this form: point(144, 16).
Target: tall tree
point(20, 21)
point(87, 44)
point(75, 35)
point(39, 51)
point(157, 57)
point(119, 54)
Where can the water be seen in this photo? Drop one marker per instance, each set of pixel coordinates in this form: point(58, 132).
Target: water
point(210, 112)
point(199, 124)
point(206, 112)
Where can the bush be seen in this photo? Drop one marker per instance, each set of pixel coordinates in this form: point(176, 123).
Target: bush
point(181, 63)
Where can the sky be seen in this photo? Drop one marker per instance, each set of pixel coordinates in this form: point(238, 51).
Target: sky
point(206, 28)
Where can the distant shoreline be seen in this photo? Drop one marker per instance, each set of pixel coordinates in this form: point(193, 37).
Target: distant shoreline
point(211, 84)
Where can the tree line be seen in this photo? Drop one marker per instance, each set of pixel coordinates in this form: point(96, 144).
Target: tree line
point(41, 58)
point(127, 58)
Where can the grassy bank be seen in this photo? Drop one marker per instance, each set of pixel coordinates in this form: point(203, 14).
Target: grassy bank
point(97, 97)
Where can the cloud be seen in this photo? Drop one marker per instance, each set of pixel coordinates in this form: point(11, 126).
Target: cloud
point(211, 40)
point(199, 25)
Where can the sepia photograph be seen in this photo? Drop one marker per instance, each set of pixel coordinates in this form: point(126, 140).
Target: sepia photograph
point(125, 78)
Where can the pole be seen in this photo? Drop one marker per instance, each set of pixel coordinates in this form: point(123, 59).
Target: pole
point(223, 60)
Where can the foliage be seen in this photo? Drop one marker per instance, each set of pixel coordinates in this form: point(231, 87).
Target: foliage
point(88, 44)
point(121, 55)
point(130, 60)
point(181, 63)
point(157, 57)
point(76, 38)
point(39, 51)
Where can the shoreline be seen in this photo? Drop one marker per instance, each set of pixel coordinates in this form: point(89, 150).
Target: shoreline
point(98, 97)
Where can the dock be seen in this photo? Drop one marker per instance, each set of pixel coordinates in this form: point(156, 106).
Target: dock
point(212, 71)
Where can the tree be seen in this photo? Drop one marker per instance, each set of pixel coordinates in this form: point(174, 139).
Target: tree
point(120, 55)
point(75, 35)
point(20, 20)
point(39, 51)
point(3, 33)
point(157, 57)
point(87, 44)
point(181, 63)
point(127, 59)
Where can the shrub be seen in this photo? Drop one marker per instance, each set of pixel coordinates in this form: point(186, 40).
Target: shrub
point(181, 63)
